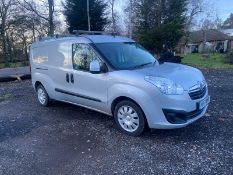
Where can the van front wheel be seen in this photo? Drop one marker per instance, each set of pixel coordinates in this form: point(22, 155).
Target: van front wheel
point(129, 118)
point(42, 96)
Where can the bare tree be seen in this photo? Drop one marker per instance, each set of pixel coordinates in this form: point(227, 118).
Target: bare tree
point(195, 7)
point(21, 22)
point(113, 15)
point(18, 28)
point(211, 23)
point(130, 17)
point(6, 10)
point(207, 24)
point(49, 18)
point(88, 15)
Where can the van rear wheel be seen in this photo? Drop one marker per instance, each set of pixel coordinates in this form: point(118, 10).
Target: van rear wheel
point(129, 118)
point(42, 96)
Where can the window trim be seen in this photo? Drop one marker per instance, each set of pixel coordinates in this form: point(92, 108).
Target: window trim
point(93, 49)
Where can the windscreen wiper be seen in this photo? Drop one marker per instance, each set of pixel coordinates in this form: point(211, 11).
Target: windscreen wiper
point(142, 65)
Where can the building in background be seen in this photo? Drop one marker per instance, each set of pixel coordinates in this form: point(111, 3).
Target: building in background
point(229, 32)
point(205, 41)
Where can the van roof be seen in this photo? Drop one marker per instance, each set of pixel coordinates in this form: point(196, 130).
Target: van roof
point(83, 39)
point(108, 38)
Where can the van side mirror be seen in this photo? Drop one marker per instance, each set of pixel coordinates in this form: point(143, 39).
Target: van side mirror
point(96, 67)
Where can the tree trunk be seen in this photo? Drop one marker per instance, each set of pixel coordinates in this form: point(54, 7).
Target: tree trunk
point(4, 45)
point(4, 42)
point(13, 47)
point(25, 49)
point(113, 17)
point(33, 30)
point(9, 48)
point(88, 16)
point(51, 22)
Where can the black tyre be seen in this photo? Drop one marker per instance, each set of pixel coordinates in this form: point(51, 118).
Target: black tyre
point(42, 96)
point(129, 118)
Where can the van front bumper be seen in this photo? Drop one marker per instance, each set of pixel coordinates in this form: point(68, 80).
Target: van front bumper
point(186, 122)
point(180, 117)
point(171, 112)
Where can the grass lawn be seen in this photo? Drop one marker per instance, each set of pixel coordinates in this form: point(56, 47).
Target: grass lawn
point(12, 65)
point(216, 61)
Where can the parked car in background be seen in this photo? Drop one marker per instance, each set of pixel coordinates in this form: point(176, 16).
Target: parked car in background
point(118, 77)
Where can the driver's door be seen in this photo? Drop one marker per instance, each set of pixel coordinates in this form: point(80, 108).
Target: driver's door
point(89, 89)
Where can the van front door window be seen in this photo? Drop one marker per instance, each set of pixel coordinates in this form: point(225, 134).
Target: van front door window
point(83, 54)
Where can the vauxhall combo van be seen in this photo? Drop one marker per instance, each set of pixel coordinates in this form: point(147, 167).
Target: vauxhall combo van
point(116, 76)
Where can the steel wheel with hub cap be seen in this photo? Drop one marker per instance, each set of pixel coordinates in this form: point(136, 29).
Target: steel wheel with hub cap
point(129, 118)
point(42, 96)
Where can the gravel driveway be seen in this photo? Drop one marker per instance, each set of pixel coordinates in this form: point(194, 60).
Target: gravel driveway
point(66, 139)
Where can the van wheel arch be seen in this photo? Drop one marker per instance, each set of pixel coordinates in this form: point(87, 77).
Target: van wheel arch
point(119, 99)
point(37, 83)
point(123, 98)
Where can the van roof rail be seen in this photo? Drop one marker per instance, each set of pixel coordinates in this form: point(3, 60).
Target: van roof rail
point(80, 32)
point(76, 33)
point(44, 38)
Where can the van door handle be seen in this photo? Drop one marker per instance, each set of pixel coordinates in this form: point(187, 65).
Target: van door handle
point(67, 78)
point(71, 78)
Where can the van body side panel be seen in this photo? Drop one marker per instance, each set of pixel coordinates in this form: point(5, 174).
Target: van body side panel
point(126, 90)
point(50, 63)
point(59, 66)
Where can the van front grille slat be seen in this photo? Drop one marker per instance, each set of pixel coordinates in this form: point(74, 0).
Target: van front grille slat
point(195, 95)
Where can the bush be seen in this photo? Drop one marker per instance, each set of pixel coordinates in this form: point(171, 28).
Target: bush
point(7, 64)
point(230, 57)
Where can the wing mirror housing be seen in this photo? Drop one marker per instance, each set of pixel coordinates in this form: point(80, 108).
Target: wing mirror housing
point(96, 67)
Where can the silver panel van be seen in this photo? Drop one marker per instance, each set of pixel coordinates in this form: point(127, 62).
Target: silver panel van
point(118, 77)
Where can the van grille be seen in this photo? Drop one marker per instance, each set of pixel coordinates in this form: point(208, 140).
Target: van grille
point(198, 94)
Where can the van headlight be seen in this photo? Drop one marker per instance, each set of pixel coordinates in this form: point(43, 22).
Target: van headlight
point(165, 85)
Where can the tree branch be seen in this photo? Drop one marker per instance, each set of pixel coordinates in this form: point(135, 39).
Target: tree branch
point(30, 7)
